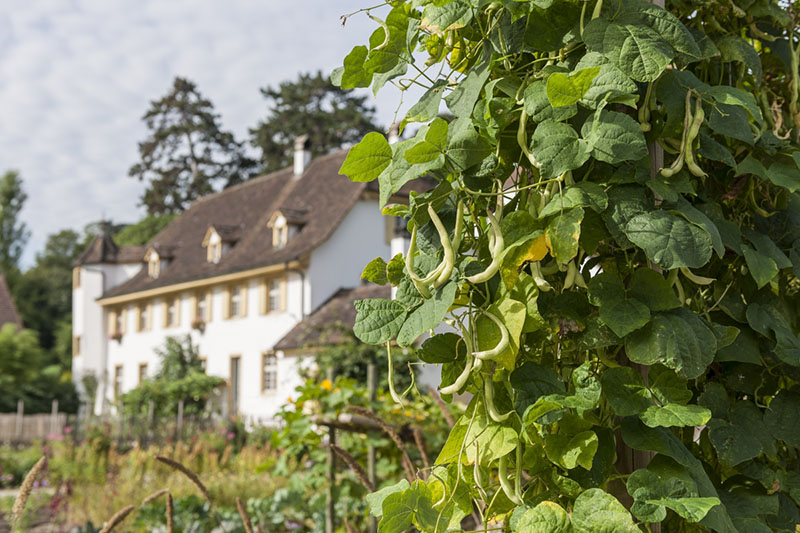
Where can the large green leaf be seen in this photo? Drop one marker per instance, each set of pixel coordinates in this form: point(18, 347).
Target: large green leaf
point(439, 19)
point(563, 234)
point(538, 107)
point(667, 386)
point(654, 494)
point(670, 241)
point(650, 288)
point(614, 137)
point(661, 440)
point(570, 451)
point(531, 382)
point(782, 416)
point(734, 48)
point(550, 26)
point(428, 315)
point(377, 321)
point(375, 499)
point(665, 23)
point(432, 146)
point(639, 51)
point(675, 415)
point(557, 147)
point(547, 517)
point(734, 443)
point(762, 268)
point(679, 339)
point(610, 84)
point(625, 316)
point(367, 159)
point(385, 52)
point(582, 194)
point(599, 512)
point(427, 107)
point(568, 89)
point(625, 391)
point(465, 146)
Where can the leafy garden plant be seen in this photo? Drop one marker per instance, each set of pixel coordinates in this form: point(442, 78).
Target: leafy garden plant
point(607, 262)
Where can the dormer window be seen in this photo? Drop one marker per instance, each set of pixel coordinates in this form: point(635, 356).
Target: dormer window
point(218, 240)
point(157, 259)
point(285, 223)
point(280, 233)
point(153, 264)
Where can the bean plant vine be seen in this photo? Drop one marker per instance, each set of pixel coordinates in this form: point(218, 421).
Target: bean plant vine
point(606, 259)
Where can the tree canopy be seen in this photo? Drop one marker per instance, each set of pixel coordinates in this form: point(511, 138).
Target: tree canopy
point(186, 154)
point(13, 232)
point(313, 106)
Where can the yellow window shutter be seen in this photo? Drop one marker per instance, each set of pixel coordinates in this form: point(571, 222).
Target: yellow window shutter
point(283, 293)
point(149, 324)
point(193, 307)
point(243, 307)
point(226, 303)
point(262, 297)
point(112, 322)
point(209, 299)
point(138, 316)
point(124, 320)
point(178, 302)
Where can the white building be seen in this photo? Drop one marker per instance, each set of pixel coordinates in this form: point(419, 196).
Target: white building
point(250, 263)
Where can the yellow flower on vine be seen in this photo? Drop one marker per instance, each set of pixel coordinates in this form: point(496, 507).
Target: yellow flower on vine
point(327, 385)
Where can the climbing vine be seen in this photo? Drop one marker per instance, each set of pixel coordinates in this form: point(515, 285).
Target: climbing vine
point(606, 259)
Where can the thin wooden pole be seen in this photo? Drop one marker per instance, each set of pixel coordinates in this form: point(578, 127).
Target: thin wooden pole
point(19, 420)
point(330, 507)
point(372, 388)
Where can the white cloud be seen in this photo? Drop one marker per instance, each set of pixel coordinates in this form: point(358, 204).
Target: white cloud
point(75, 78)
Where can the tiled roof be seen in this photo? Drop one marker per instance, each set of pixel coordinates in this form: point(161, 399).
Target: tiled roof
point(321, 192)
point(103, 250)
point(8, 310)
point(329, 322)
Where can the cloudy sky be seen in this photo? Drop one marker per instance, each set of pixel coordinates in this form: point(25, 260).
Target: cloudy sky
point(77, 75)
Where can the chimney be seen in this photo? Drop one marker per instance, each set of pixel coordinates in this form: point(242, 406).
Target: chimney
point(302, 154)
point(394, 133)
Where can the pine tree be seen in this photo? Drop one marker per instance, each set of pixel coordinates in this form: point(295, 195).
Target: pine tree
point(313, 106)
point(187, 154)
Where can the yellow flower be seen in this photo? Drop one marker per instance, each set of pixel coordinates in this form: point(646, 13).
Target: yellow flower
point(289, 399)
point(327, 385)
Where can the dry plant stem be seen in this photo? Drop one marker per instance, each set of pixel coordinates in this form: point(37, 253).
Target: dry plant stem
point(25, 490)
point(118, 517)
point(354, 466)
point(188, 473)
point(194, 479)
point(156, 495)
point(170, 514)
point(389, 430)
point(349, 527)
point(419, 440)
point(240, 506)
point(443, 406)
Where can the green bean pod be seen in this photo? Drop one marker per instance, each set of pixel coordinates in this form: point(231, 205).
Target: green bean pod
point(488, 397)
point(694, 130)
point(501, 345)
point(502, 474)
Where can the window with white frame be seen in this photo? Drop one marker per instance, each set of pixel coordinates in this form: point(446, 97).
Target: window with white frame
point(269, 372)
point(274, 295)
point(171, 320)
point(236, 302)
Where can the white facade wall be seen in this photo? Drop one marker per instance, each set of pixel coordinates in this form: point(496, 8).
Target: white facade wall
point(340, 260)
point(335, 264)
point(247, 337)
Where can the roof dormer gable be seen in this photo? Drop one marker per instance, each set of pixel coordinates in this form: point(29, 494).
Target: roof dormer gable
point(218, 240)
point(284, 224)
point(157, 259)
